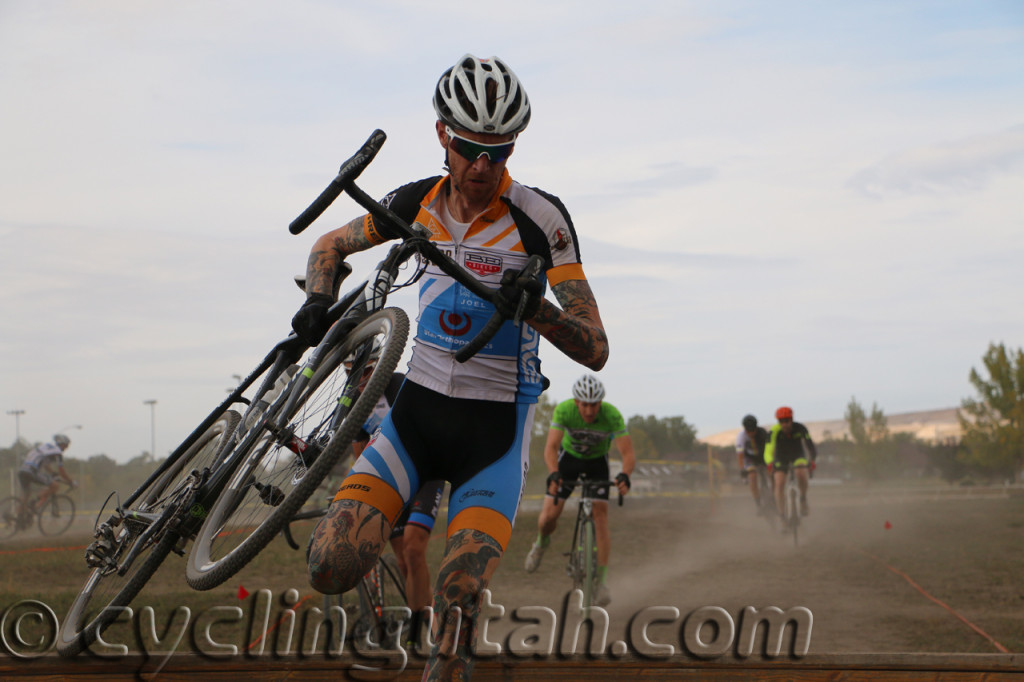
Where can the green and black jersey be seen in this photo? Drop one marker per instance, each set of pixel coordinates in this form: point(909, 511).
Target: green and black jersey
point(583, 440)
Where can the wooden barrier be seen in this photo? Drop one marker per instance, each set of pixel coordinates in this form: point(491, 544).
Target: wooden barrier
point(846, 667)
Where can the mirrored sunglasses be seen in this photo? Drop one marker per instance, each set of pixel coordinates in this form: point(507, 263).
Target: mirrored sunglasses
point(471, 151)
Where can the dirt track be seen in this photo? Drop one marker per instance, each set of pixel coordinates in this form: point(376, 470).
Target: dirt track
point(873, 591)
point(680, 553)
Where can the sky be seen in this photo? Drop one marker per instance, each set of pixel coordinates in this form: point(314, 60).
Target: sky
point(780, 202)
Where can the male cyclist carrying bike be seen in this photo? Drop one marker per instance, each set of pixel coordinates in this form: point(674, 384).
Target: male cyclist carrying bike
point(750, 445)
point(41, 467)
point(465, 423)
point(582, 431)
point(790, 445)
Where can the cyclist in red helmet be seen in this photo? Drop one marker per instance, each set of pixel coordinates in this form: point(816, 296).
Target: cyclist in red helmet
point(790, 445)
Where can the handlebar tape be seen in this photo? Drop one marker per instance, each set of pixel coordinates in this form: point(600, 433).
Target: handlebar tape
point(349, 171)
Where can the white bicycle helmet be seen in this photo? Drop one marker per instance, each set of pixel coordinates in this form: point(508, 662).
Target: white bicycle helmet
point(588, 389)
point(482, 96)
point(61, 441)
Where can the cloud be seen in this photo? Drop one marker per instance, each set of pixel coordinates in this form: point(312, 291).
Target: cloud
point(962, 166)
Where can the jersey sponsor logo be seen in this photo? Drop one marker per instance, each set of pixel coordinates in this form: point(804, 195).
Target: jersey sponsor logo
point(482, 264)
point(436, 231)
point(562, 239)
point(475, 493)
point(453, 323)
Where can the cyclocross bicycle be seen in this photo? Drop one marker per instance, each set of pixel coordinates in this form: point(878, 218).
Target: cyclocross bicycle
point(791, 517)
point(53, 518)
point(582, 567)
point(248, 468)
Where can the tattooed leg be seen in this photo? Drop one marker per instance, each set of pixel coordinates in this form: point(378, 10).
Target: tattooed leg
point(470, 559)
point(345, 545)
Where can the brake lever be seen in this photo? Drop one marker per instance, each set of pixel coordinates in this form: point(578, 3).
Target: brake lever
point(531, 271)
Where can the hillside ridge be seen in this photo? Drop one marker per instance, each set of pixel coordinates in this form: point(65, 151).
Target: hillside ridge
point(933, 426)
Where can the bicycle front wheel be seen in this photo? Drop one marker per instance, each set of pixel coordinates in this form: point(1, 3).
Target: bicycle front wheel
point(110, 588)
point(590, 563)
point(12, 517)
point(274, 478)
point(56, 515)
point(794, 514)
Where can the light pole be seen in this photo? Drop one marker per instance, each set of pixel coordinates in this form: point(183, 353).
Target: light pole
point(152, 426)
point(17, 423)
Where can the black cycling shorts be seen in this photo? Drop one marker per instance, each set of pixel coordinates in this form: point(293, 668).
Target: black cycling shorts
point(422, 509)
point(27, 478)
point(570, 467)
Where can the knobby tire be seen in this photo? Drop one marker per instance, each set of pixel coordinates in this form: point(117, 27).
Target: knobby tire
point(106, 594)
point(57, 514)
point(12, 511)
point(241, 523)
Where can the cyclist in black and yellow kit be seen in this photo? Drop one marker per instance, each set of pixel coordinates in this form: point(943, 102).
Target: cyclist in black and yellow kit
point(790, 445)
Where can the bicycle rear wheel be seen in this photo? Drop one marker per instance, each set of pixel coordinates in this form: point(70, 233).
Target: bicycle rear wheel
point(57, 515)
point(12, 513)
point(272, 481)
point(111, 587)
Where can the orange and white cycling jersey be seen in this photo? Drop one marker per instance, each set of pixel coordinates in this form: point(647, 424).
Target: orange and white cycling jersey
point(520, 221)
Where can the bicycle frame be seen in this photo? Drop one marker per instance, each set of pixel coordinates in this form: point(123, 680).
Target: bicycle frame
point(582, 567)
point(187, 514)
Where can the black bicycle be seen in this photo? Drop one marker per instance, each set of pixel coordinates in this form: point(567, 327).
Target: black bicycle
point(582, 566)
point(242, 475)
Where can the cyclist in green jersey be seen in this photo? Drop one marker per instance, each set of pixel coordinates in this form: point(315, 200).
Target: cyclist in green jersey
point(581, 434)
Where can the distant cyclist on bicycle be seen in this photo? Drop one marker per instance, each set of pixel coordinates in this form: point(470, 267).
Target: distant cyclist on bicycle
point(582, 431)
point(750, 445)
point(790, 445)
point(41, 467)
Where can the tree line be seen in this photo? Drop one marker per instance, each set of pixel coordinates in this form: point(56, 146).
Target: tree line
point(992, 424)
point(991, 448)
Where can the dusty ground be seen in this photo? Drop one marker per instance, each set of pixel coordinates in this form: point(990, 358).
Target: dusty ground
point(680, 552)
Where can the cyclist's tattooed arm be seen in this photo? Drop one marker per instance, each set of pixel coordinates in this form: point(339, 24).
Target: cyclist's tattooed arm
point(471, 558)
point(575, 329)
point(330, 250)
